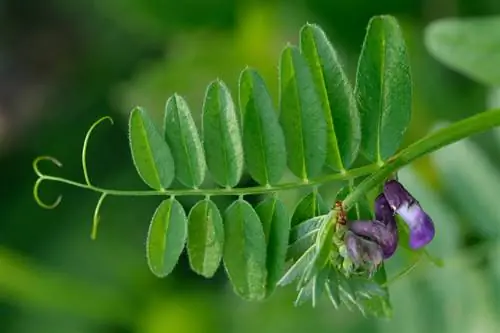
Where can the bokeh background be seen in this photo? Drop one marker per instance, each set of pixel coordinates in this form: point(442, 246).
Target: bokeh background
point(66, 63)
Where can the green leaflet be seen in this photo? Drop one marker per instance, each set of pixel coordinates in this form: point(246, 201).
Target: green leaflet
point(301, 116)
point(166, 237)
point(205, 241)
point(222, 136)
point(383, 89)
point(467, 45)
point(276, 223)
point(303, 236)
point(378, 305)
point(309, 206)
point(306, 220)
point(245, 251)
point(336, 95)
point(150, 153)
point(263, 140)
point(182, 137)
point(299, 267)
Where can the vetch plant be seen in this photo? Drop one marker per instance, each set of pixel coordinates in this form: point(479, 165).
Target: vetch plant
point(325, 130)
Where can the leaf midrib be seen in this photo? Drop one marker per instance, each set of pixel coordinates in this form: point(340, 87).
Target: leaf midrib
point(329, 108)
point(299, 118)
point(149, 149)
point(382, 100)
point(164, 239)
point(184, 142)
point(257, 110)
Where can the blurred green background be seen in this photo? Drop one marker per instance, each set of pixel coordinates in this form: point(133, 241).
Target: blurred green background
point(64, 64)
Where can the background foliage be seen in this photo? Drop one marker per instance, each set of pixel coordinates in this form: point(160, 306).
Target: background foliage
point(103, 58)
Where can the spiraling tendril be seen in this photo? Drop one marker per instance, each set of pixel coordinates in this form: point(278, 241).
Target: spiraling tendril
point(41, 178)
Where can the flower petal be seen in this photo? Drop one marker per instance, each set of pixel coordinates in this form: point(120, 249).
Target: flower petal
point(397, 195)
point(383, 211)
point(403, 203)
point(422, 229)
point(383, 235)
point(363, 252)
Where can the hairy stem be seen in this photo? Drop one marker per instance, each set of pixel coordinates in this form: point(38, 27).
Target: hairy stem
point(441, 138)
point(350, 174)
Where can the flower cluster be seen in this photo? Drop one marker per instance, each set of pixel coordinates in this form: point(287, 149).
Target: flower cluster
point(370, 242)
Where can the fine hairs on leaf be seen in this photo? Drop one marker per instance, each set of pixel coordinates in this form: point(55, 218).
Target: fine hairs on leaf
point(327, 128)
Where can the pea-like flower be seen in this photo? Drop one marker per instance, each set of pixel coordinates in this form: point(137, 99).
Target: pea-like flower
point(405, 205)
point(383, 231)
point(363, 252)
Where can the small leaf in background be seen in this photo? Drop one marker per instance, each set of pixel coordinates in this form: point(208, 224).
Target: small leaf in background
point(299, 267)
point(307, 218)
point(222, 136)
point(336, 95)
point(245, 251)
point(467, 45)
point(309, 206)
point(150, 153)
point(377, 305)
point(276, 223)
point(205, 241)
point(183, 139)
point(301, 116)
point(166, 237)
point(467, 173)
point(263, 140)
point(383, 89)
point(303, 236)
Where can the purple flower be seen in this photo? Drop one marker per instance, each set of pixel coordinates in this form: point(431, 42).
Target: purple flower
point(363, 252)
point(383, 231)
point(401, 202)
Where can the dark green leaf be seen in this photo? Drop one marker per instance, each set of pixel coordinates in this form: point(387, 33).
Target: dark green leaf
point(166, 237)
point(205, 238)
point(301, 115)
point(481, 122)
point(383, 89)
point(150, 153)
point(245, 251)
point(467, 45)
point(263, 140)
point(222, 136)
point(309, 206)
point(182, 137)
point(276, 222)
point(337, 97)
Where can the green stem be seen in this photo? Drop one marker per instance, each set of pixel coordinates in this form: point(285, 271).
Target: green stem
point(441, 138)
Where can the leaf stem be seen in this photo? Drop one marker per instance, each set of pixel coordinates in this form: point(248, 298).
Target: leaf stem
point(350, 174)
point(460, 130)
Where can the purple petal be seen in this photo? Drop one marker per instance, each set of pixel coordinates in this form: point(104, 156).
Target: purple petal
point(421, 226)
point(361, 251)
point(403, 203)
point(386, 236)
point(383, 211)
point(397, 195)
